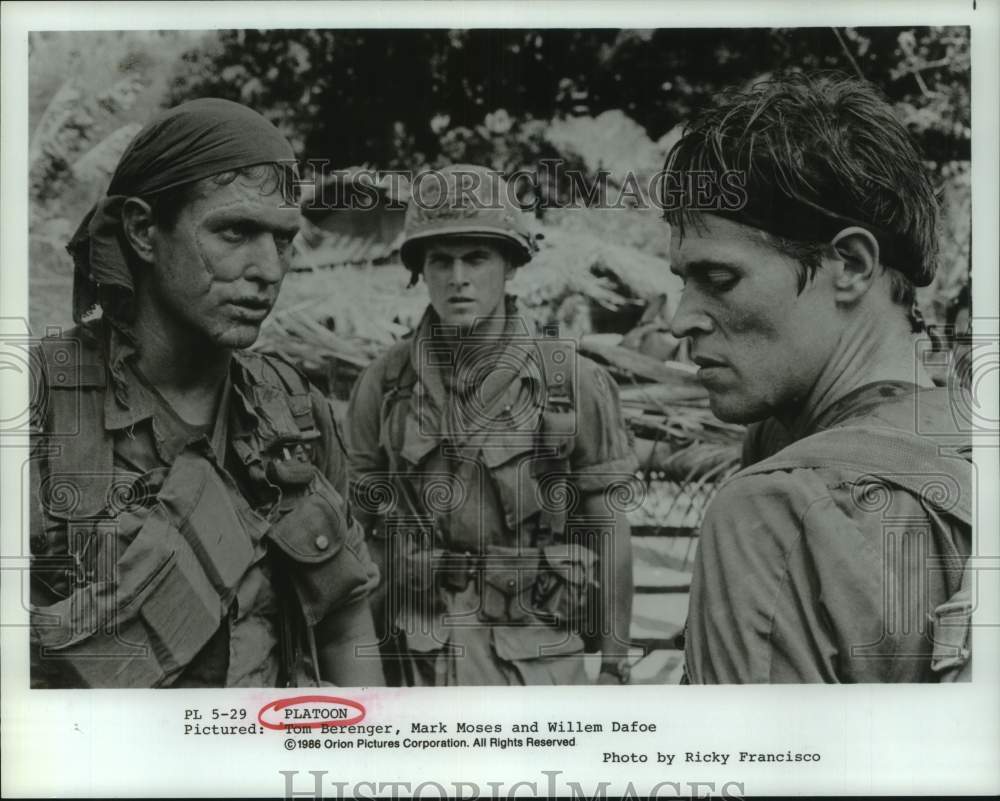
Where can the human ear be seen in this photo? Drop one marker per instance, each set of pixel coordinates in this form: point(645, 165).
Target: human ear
point(137, 223)
point(856, 261)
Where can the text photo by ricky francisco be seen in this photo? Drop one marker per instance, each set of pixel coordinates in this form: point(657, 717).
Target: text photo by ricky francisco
point(572, 358)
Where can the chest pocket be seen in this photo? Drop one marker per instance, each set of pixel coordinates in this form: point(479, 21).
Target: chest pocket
point(328, 569)
point(527, 460)
point(512, 464)
point(531, 472)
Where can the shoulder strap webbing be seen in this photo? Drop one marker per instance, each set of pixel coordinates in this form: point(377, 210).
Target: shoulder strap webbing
point(891, 455)
point(907, 461)
point(398, 381)
point(558, 363)
point(559, 370)
point(284, 381)
point(78, 451)
point(399, 373)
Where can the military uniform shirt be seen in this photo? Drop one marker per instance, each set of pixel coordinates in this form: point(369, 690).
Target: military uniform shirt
point(800, 577)
point(449, 451)
point(148, 436)
point(463, 450)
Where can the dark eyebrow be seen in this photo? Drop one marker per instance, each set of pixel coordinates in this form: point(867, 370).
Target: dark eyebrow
point(241, 220)
point(289, 230)
point(704, 265)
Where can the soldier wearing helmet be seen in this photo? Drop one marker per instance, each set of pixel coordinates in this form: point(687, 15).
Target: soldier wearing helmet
point(476, 451)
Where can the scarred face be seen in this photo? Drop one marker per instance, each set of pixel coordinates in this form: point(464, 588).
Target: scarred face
point(759, 344)
point(216, 273)
point(466, 279)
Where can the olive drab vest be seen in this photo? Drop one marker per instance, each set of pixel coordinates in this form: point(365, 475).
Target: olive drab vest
point(547, 441)
point(542, 574)
point(138, 617)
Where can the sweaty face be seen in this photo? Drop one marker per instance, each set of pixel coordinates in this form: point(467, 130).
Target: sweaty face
point(759, 344)
point(217, 272)
point(466, 279)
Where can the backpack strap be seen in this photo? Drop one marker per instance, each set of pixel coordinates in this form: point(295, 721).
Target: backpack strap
point(69, 418)
point(559, 367)
point(285, 386)
point(398, 380)
point(951, 659)
point(399, 376)
point(905, 460)
point(277, 448)
point(892, 455)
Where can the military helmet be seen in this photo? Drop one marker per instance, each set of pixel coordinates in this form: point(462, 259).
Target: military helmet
point(464, 200)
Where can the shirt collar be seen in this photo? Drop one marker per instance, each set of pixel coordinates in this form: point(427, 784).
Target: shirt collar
point(128, 402)
point(510, 345)
point(861, 401)
point(492, 392)
point(131, 400)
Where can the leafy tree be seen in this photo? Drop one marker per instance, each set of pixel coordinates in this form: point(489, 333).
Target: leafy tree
point(370, 96)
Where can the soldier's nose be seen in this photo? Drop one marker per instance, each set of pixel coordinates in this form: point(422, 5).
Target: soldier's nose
point(688, 320)
point(268, 265)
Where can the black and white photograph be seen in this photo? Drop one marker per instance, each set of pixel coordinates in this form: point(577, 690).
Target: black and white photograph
point(395, 388)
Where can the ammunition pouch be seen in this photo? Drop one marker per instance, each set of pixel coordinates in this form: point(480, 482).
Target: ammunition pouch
point(454, 570)
point(415, 571)
point(533, 648)
point(423, 573)
point(566, 582)
point(325, 569)
point(142, 625)
point(509, 577)
point(550, 585)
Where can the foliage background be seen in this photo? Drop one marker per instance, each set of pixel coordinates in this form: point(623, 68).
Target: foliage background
point(600, 99)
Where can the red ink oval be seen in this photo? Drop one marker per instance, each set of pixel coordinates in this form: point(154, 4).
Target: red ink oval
point(285, 703)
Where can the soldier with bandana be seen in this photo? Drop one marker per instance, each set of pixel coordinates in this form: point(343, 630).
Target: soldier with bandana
point(189, 523)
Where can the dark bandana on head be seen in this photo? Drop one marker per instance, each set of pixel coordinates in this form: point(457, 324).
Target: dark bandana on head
point(183, 144)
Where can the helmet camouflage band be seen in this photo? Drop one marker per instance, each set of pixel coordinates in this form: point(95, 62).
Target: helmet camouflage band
point(464, 200)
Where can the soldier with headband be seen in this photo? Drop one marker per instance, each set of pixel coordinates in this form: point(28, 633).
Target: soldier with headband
point(799, 305)
point(189, 520)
